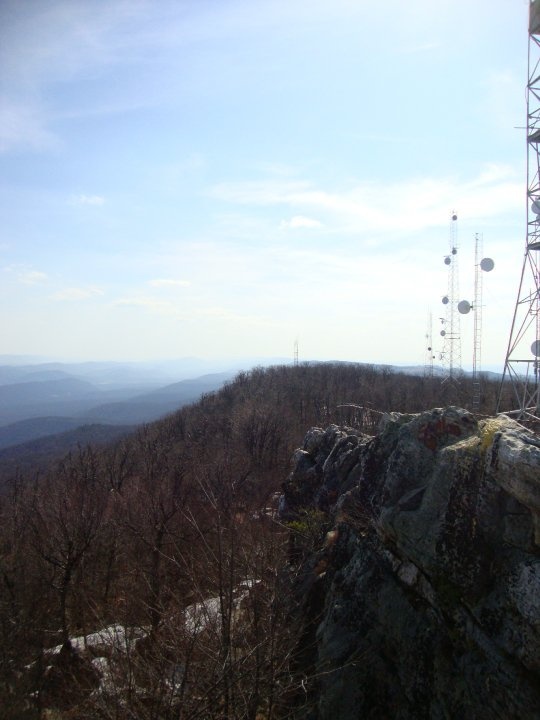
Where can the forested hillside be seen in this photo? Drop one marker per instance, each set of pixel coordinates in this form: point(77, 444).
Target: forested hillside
point(169, 539)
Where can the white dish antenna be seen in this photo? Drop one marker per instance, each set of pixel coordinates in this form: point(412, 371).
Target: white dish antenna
point(464, 307)
point(445, 300)
point(487, 264)
point(535, 348)
point(535, 207)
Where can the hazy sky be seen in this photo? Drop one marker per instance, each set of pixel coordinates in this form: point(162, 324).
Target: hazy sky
point(223, 177)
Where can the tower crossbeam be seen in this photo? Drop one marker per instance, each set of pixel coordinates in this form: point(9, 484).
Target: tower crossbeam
point(522, 362)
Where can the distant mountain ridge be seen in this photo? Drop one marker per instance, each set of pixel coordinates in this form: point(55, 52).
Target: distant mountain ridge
point(44, 390)
point(37, 454)
point(45, 399)
point(33, 428)
point(155, 404)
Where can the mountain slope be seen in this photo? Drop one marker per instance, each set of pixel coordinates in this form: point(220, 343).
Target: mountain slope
point(153, 405)
point(35, 456)
point(173, 529)
point(33, 428)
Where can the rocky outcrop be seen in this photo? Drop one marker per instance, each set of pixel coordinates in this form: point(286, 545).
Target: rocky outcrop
point(422, 600)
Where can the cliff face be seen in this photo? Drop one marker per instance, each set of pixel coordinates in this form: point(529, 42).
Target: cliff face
point(424, 599)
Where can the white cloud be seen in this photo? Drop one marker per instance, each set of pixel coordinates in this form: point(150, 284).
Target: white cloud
point(299, 221)
point(427, 46)
point(95, 200)
point(70, 42)
point(223, 314)
point(33, 277)
point(260, 192)
point(168, 282)
point(27, 277)
point(75, 293)
point(410, 206)
point(153, 304)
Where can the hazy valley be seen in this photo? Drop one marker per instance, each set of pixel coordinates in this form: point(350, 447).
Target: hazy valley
point(47, 398)
point(179, 566)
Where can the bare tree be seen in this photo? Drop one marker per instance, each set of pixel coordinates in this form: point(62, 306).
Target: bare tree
point(64, 518)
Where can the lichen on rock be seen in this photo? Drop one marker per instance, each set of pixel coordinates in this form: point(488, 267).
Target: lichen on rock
point(428, 606)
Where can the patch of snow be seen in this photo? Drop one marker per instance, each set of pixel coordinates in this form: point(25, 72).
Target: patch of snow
point(207, 613)
point(199, 616)
point(116, 637)
point(107, 683)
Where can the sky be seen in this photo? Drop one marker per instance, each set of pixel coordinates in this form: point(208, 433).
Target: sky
point(227, 177)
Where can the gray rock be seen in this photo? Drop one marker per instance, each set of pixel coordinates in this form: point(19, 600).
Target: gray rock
point(513, 447)
point(428, 606)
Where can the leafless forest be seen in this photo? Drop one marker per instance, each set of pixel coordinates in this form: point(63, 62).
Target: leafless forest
point(167, 543)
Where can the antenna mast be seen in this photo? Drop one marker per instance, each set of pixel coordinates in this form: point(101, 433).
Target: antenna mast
point(484, 265)
point(522, 363)
point(464, 308)
point(428, 363)
point(477, 328)
point(451, 354)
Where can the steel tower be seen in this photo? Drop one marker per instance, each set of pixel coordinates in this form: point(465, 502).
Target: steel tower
point(477, 331)
point(451, 353)
point(429, 356)
point(480, 266)
point(522, 363)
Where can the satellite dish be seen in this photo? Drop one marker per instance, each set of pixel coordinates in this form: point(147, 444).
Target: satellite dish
point(454, 216)
point(447, 261)
point(487, 264)
point(535, 207)
point(445, 300)
point(535, 348)
point(443, 333)
point(464, 307)
point(454, 251)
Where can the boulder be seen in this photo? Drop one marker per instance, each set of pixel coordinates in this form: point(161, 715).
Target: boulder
point(423, 601)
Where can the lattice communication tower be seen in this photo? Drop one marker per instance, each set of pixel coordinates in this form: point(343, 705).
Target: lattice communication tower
point(451, 353)
point(429, 355)
point(464, 308)
point(522, 363)
point(477, 331)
